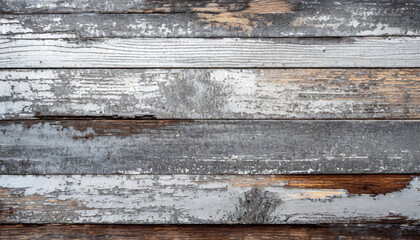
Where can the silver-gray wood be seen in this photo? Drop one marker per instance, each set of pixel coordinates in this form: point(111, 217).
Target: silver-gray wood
point(209, 147)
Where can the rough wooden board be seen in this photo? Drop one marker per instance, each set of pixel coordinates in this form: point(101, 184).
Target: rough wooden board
point(211, 18)
point(222, 232)
point(203, 6)
point(211, 93)
point(208, 147)
point(314, 21)
point(209, 53)
point(207, 199)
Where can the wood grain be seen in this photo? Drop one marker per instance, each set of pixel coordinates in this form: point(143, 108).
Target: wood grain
point(208, 147)
point(211, 53)
point(211, 18)
point(211, 93)
point(207, 199)
point(222, 232)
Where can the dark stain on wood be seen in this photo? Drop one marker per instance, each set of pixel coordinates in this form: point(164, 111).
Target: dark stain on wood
point(118, 128)
point(103, 127)
point(256, 207)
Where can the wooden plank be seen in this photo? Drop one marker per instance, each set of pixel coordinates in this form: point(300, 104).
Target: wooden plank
point(285, 24)
point(211, 93)
point(209, 199)
point(202, 6)
point(222, 232)
point(209, 53)
point(208, 147)
point(211, 18)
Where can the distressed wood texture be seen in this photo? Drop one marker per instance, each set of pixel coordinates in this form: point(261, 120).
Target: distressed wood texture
point(209, 53)
point(207, 199)
point(219, 232)
point(211, 93)
point(208, 147)
point(211, 18)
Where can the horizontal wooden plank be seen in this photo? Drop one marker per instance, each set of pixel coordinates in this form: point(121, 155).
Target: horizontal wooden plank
point(211, 93)
point(209, 199)
point(209, 53)
point(211, 18)
point(208, 147)
point(222, 232)
point(271, 19)
point(392, 7)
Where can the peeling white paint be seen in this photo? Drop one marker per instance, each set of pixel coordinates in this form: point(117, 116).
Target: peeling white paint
point(199, 199)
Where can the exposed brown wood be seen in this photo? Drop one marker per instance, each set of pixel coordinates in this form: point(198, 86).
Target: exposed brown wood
point(211, 93)
point(222, 232)
point(353, 184)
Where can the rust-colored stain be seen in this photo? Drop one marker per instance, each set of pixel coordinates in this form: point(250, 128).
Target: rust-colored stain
point(119, 128)
point(353, 184)
point(246, 20)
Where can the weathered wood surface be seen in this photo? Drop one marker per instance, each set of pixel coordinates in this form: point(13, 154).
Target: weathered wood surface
point(211, 93)
point(210, 53)
point(210, 18)
point(208, 147)
point(205, 199)
point(218, 232)
point(226, 18)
